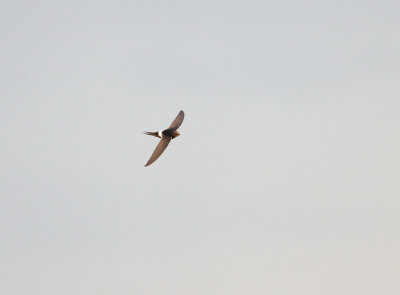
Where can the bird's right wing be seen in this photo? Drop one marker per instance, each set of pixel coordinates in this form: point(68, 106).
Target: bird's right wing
point(160, 148)
point(178, 121)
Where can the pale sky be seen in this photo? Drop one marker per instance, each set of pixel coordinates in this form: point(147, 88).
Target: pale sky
point(285, 179)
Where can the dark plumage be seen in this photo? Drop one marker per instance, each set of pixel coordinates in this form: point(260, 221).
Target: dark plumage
point(166, 136)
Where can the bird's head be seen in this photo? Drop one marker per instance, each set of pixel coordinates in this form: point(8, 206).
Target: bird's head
point(176, 134)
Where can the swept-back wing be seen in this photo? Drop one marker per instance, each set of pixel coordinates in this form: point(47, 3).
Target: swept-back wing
point(178, 121)
point(160, 148)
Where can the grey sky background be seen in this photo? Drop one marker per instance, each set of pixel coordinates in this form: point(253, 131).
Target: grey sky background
point(285, 179)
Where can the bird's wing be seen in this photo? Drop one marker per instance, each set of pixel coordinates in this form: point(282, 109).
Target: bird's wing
point(178, 121)
point(160, 148)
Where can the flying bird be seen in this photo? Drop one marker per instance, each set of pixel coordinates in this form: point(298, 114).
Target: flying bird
point(166, 135)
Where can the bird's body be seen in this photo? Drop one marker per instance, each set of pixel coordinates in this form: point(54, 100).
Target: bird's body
point(167, 132)
point(166, 135)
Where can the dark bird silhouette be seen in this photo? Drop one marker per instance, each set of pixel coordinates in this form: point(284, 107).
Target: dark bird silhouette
point(166, 135)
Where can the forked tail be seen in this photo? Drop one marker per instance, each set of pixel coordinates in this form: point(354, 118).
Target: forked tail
point(151, 133)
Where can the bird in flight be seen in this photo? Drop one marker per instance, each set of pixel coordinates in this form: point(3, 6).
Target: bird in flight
point(166, 136)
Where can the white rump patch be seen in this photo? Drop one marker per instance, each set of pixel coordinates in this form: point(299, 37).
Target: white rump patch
point(160, 133)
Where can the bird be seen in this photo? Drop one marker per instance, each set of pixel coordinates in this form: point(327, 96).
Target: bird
point(166, 135)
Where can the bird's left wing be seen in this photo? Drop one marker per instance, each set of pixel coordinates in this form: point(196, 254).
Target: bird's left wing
point(160, 148)
point(178, 121)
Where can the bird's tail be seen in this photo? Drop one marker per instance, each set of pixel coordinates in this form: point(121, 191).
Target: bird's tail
point(150, 133)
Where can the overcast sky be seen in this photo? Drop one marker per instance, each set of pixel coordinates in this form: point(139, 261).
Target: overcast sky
point(285, 179)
